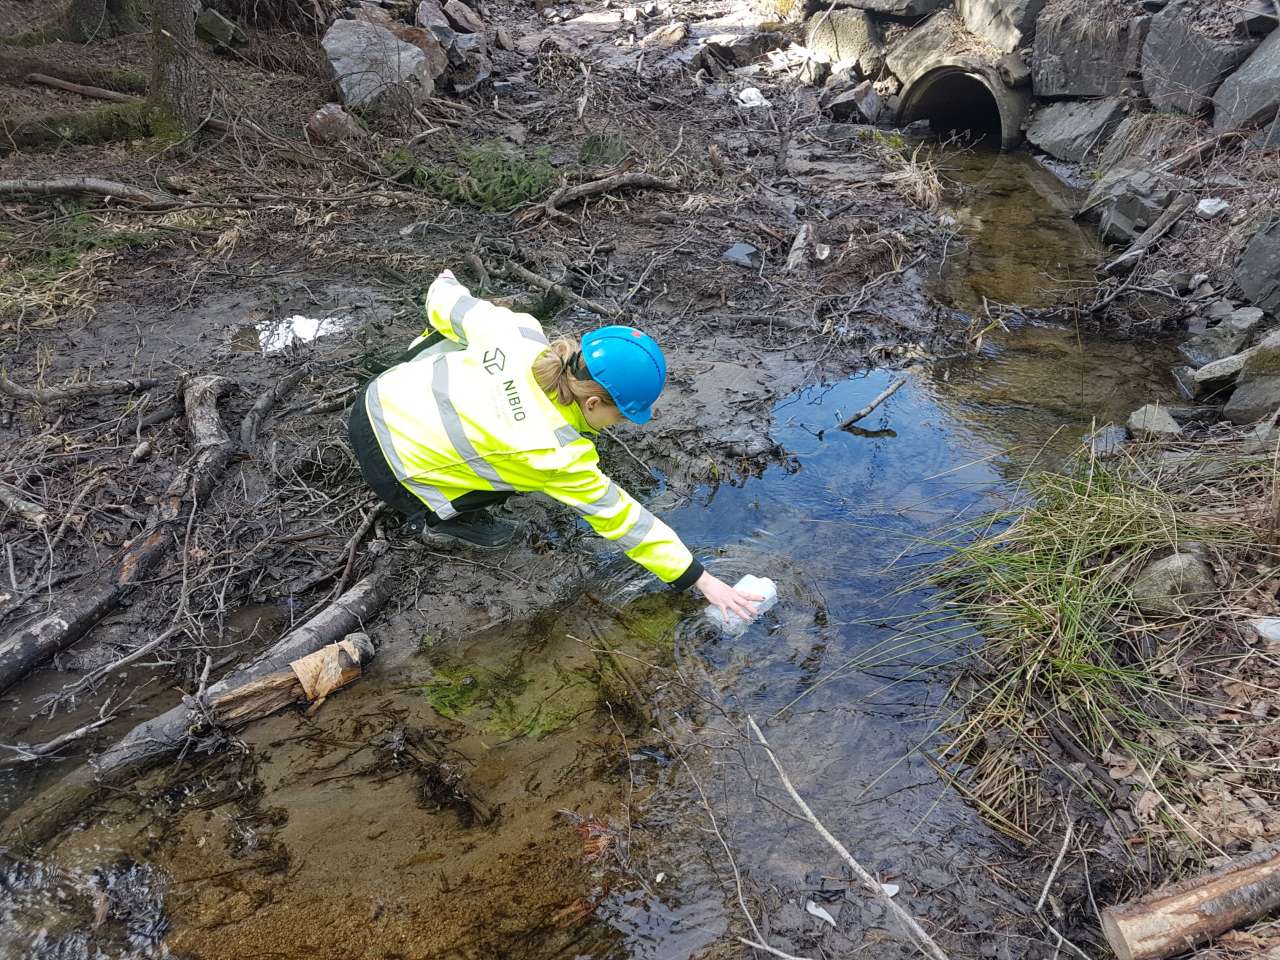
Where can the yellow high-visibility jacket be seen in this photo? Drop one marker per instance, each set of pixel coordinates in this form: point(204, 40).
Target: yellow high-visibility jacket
point(472, 417)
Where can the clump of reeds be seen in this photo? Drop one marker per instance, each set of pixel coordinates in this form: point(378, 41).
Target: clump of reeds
point(1067, 665)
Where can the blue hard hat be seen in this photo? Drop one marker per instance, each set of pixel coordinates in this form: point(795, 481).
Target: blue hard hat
point(630, 365)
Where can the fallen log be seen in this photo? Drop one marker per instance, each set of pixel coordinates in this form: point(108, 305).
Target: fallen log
point(160, 738)
point(265, 404)
point(71, 391)
point(73, 186)
point(1186, 915)
point(72, 618)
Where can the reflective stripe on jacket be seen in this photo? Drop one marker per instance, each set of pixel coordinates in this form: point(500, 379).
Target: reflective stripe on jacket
point(472, 417)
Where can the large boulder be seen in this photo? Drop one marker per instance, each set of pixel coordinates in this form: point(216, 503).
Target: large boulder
point(1076, 55)
point(1129, 200)
point(436, 53)
point(1183, 66)
point(1172, 586)
point(374, 70)
point(1072, 129)
point(845, 36)
point(1250, 97)
point(1258, 270)
point(1005, 24)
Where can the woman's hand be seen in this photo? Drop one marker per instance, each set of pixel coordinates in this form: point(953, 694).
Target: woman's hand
point(726, 598)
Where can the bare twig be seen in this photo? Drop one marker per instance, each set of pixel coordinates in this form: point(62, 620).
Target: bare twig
point(923, 941)
point(888, 392)
point(636, 180)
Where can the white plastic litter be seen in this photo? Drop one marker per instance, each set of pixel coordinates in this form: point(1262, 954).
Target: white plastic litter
point(760, 586)
point(752, 97)
point(890, 889)
point(814, 910)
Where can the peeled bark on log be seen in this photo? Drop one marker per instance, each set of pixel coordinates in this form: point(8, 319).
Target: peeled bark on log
point(72, 618)
point(1188, 914)
point(160, 738)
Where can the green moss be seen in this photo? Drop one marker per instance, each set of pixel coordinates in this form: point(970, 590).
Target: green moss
point(491, 177)
point(119, 121)
point(36, 37)
point(50, 251)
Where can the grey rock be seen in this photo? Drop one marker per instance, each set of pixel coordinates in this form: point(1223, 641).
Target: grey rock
point(1244, 319)
point(1250, 97)
point(1129, 200)
point(1258, 270)
point(1005, 24)
point(1211, 208)
point(1152, 422)
point(743, 255)
point(213, 27)
point(1182, 66)
point(502, 39)
point(1256, 18)
point(370, 12)
point(1217, 375)
point(1075, 55)
point(1071, 130)
point(1264, 358)
point(463, 18)
point(848, 37)
point(861, 102)
point(1173, 585)
point(1254, 399)
point(1216, 343)
point(1014, 70)
point(1219, 309)
point(332, 124)
point(1266, 139)
point(374, 70)
point(898, 8)
point(430, 16)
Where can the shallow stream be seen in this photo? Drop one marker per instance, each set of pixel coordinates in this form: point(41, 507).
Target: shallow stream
point(832, 673)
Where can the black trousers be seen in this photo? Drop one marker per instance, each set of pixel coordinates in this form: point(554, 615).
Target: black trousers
point(382, 480)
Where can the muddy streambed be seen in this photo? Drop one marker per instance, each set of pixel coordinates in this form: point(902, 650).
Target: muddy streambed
point(499, 793)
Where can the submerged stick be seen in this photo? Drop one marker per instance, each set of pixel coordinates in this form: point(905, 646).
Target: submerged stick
point(159, 738)
point(885, 395)
point(923, 941)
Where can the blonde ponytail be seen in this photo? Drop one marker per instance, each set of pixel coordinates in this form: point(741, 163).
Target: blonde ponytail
point(554, 376)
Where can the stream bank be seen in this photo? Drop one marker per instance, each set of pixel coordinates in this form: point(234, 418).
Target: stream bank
point(356, 830)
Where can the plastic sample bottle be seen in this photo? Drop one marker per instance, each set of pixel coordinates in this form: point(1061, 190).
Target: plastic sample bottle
point(735, 626)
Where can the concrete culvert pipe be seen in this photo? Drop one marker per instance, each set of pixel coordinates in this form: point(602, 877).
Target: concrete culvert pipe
point(960, 98)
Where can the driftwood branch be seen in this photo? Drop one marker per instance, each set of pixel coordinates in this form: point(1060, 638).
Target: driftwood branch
point(16, 500)
point(1162, 225)
point(923, 942)
point(71, 619)
point(513, 271)
point(72, 391)
point(888, 392)
point(160, 738)
point(1188, 914)
point(78, 185)
point(634, 180)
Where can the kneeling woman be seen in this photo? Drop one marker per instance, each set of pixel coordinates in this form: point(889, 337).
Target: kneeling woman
point(484, 407)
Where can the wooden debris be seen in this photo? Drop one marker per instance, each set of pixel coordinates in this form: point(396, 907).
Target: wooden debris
point(160, 738)
point(1185, 915)
point(634, 180)
point(72, 391)
point(17, 501)
point(884, 395)
point(74, 616)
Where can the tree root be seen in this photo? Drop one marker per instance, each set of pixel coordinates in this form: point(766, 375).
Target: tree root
point(160, 738)
point(72, 618)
